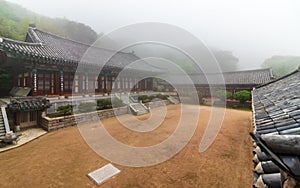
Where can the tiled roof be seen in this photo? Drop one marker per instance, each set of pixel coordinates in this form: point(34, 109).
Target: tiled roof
point(248, 77)
point(20, 91)
point(47, 46)
point(276, 116)
point(28, 104)
point(277, 106)
point(257, 76)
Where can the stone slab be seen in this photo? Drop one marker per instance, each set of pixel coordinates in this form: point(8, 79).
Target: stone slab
point(104, 173)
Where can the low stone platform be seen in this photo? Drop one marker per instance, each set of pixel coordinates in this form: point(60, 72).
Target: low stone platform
point(27, 136)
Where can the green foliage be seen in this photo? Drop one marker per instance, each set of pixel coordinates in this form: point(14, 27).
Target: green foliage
point(242, 96)
point(107, 103)
point(160, 96)
point(223, 94)
point(103, 104)
point(117, 102)
point(148, 98)
point(282, 65)
point(65, 110)
point(86, 107)
point(62, 111)
point(144, 98)
point(14, 21)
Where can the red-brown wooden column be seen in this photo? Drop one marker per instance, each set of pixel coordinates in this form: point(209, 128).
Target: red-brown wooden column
point(17, 118)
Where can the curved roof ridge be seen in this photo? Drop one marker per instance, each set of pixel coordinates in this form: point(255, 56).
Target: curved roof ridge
point(33, 35)
point(74, 41)
point(20, 42)
point(280, 78)
point(238, 71)
point(57, 36)
point(250, 70)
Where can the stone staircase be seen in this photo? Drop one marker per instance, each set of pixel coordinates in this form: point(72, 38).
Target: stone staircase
point(138, 108)
point(173, 100)
point(4, 127)
point(133, 98)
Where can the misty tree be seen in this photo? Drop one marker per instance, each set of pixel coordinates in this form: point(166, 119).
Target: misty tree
point(14, 21)
point(226, 60)
point(282, 65)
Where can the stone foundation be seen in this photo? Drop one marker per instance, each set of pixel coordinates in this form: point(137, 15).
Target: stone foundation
point(51, 124)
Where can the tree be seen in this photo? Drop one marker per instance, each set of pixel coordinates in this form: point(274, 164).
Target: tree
point(282, 65)
point(226, 60)
point(223, 94)
point(14, 21)
point(242, 96)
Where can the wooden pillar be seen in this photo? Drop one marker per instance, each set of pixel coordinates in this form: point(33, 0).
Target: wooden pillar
point(34, 82)
point(17, 118)
point(122, 82)
point(99, 83)
point(105, 83)
point(150, 84)
point(61, 83)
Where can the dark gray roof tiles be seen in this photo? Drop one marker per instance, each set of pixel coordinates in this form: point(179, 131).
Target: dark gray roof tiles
point(276, 116)
point(47, 46)
point(25, 104)
point(248, 77)
point(278, 104)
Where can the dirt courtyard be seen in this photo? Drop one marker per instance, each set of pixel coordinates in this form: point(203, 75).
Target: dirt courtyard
point(62, 158)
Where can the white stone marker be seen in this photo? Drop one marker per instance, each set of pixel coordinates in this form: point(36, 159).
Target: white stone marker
point(104, 173)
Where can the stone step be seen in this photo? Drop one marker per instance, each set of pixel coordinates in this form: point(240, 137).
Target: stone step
point(2, 127)
point(139, 108)
point(173, 100)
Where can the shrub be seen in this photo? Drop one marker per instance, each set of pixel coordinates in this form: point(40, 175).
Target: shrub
point(117, 102)
point(86, 107)
point(103, 104)
point(65, 110)
point(107, 103)
point(223, 94)
point(242, 96)
point(146, 98)
point(162, 97)
point(62, 111)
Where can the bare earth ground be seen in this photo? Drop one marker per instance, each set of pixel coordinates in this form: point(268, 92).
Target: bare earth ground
point(62, 158)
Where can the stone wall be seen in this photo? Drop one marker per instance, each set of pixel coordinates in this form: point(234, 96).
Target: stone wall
point(60, 122)
point(51, 124)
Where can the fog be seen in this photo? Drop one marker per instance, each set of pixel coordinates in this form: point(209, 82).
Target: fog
point(253, 30)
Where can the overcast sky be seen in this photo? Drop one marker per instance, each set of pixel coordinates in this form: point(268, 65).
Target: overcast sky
point(252, 30)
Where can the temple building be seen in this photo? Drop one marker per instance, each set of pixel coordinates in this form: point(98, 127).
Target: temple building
point(45, 65)
point(210, 82)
